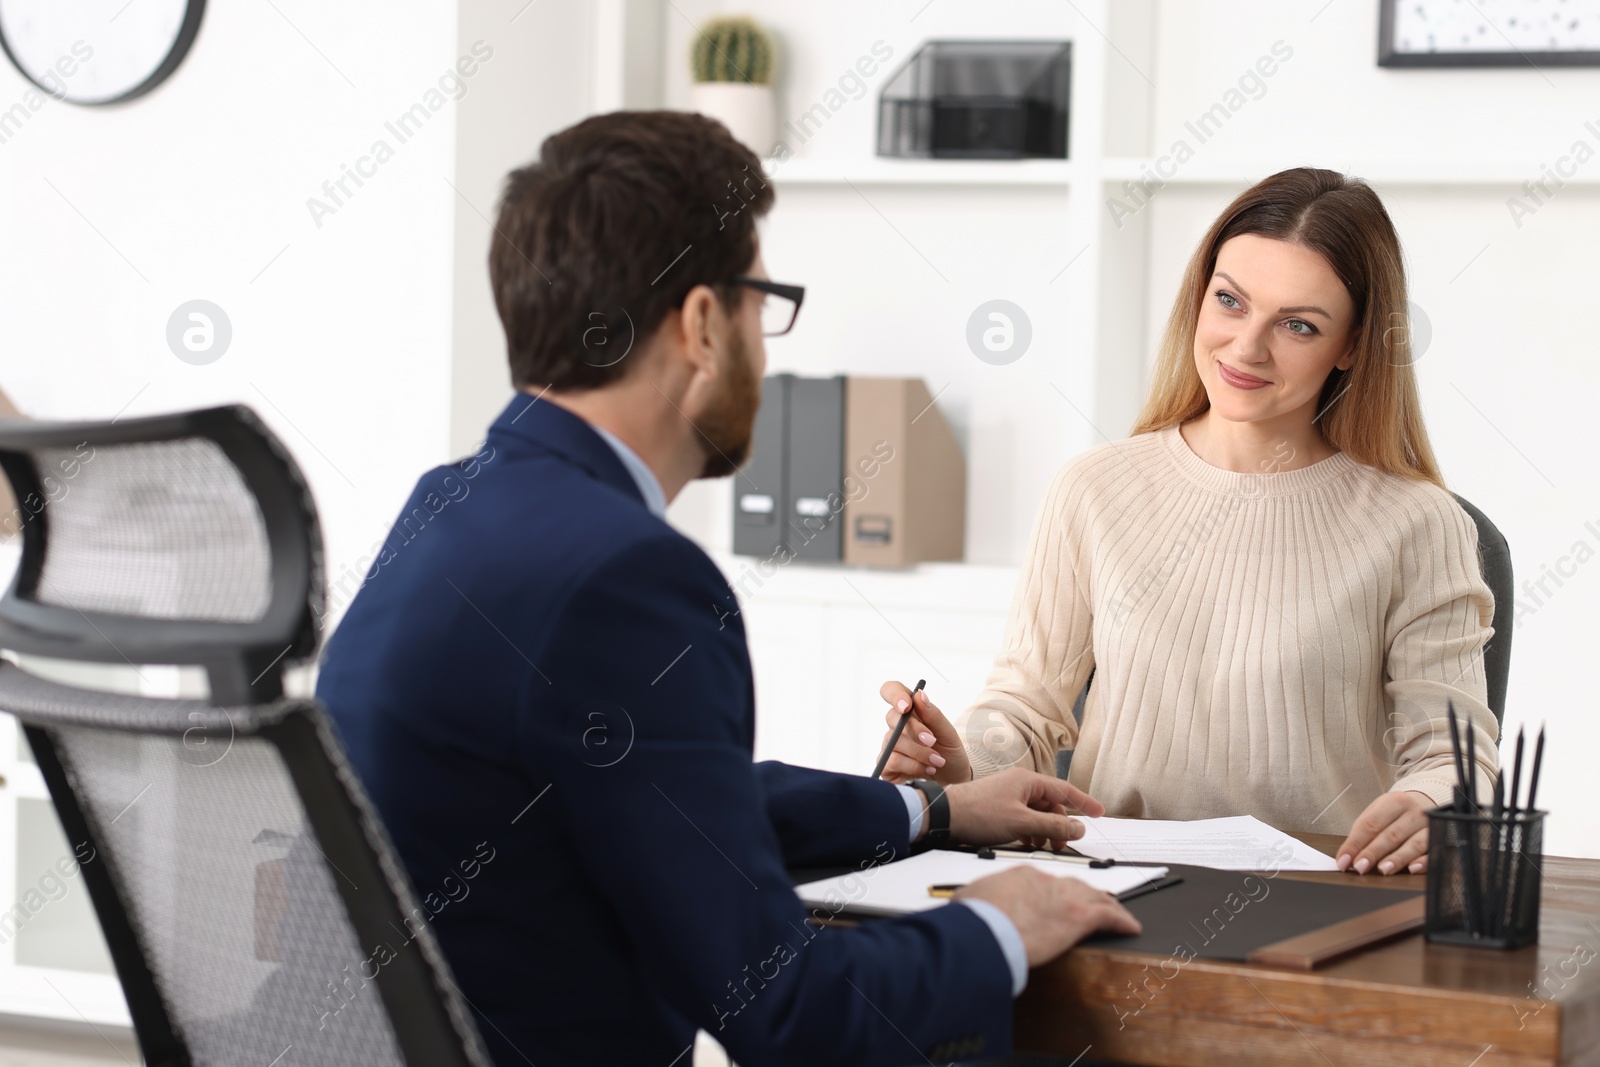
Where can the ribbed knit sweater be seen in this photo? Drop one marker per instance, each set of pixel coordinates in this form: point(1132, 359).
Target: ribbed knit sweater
point(1277, 644)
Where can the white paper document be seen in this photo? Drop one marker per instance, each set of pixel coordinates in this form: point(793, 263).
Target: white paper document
point(896, 888)
point(1237, 843)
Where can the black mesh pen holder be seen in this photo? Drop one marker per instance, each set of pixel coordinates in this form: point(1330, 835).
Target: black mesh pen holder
point(1483, 878)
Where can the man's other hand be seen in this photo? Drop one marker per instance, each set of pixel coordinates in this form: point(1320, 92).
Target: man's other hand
point(1052, 913)
point(1018, 805)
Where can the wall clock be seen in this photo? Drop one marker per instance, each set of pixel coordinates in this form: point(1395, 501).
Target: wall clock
point(98, 51)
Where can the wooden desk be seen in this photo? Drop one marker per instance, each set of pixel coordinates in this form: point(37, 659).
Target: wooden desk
point(1407, 1002)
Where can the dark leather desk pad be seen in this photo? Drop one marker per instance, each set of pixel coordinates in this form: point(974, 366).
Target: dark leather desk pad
point(1221, 915)
point(1226, 915)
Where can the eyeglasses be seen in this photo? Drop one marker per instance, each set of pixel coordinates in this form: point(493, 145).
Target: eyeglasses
point(779, 307)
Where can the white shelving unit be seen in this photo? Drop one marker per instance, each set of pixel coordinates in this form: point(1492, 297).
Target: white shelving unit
point(896, 254)
point(907, 229)
point(1054, 173)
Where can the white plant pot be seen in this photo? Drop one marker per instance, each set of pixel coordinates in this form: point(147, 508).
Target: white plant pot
point(745, 109)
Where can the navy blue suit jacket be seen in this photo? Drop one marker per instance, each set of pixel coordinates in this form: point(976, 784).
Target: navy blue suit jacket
point(546, 690)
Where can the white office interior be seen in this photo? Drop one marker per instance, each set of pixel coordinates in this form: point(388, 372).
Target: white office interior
point(362, 331)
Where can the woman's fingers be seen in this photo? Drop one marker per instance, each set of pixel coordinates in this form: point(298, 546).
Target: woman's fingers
point(913, 747)
point(901, 769)
point(914, 739)
point(944, 731)
point(1387, 826)
point(1402, 858)
point(1368, 826)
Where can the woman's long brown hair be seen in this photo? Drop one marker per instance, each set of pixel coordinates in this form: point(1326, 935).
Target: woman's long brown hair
point(1370, 412)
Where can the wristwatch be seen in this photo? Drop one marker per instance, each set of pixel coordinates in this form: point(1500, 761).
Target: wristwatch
point(938, 832)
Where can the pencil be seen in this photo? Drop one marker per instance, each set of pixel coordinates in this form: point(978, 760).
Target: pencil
point(1472, 767)
point(1538, 757)
point(1516, 773)
point(1521, 825)
point(1464, 847)
point(1513, 834)
point(1455, 754)
point(900, 726)
point(1497, 885)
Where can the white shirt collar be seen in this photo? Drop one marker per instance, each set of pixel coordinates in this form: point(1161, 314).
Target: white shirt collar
point(643, 476)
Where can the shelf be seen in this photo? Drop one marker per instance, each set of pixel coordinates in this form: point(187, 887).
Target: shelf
point(1057, 173)
point(1203, 171)
point(1060, 174)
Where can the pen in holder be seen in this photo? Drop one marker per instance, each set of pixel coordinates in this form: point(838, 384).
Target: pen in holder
point(1483, 877)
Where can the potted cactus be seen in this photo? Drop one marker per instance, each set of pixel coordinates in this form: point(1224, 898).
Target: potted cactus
point(732, 59)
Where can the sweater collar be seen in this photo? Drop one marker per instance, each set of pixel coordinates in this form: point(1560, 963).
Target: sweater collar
point(1252, 485)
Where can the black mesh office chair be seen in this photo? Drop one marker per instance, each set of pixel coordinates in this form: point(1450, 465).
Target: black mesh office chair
point(1495, 556)
point(253, 906)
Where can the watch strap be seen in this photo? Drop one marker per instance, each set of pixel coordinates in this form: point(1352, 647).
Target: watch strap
point(938, 833)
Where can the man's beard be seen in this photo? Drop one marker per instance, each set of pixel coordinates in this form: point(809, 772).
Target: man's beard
point(728, 423)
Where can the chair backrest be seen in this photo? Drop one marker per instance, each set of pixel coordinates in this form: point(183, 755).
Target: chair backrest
point(1495, 556)
point(250, 898)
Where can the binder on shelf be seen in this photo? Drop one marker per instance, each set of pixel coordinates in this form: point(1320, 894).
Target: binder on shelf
point(858, 470)
point(906, 491)
point(816, 468)
point(760, 488)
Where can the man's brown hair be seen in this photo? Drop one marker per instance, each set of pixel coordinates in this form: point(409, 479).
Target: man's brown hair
point(608, 230)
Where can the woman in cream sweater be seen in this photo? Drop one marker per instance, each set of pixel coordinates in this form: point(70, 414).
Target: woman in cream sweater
point(1269, 580)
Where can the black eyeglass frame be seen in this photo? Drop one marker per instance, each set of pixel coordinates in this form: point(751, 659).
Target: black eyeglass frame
point(796, 293)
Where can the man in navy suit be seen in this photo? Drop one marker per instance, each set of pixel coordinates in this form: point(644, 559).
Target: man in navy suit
point(546, 690)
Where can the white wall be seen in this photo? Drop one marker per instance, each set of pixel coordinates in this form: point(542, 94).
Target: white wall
point(341, 333)
point(540, 80)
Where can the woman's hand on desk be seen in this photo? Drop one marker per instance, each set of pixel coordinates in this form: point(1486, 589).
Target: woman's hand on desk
point(1391, 836)
point(929, 747)
point(1019, 805)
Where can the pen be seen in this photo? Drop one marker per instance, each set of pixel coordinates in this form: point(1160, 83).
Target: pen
point(1042, 854)
point(900, 726)
point(1127, 894)
point(1150, 887)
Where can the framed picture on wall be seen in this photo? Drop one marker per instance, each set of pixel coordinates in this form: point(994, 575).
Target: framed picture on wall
point(1489, 33)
